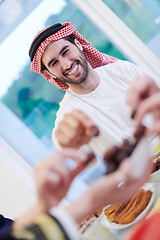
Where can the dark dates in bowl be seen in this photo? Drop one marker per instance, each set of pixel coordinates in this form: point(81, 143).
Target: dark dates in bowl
point(155, 176)
point(114, 156)
point(156, 165)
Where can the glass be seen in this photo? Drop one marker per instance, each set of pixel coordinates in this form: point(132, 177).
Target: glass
point(142, 17)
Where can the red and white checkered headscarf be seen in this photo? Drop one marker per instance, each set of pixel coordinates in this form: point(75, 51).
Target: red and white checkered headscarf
point(93, 56)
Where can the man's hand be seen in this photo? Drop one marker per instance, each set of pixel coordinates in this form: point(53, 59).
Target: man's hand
point(141, 88)
point(107, 190)
point(53, 176)
point(144, 97)
point(123, 193)
point(150, 105)
point(75, 130)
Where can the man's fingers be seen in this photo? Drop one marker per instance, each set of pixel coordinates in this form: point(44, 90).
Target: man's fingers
point(67, 129)
point(132, 100)
point(134, 93)
point(152, 105)
point(63, 171)
point(141, 88)
point(93, 131)
point(75, 129)
point(81, 165)
point(54, 170)
point(157, 127)
point(81, 116)
point(76, 155)
point(80, 158)
point(53, 178)
point(73, 120)
point(125, 168)
point(67, 135)
point(91, 128)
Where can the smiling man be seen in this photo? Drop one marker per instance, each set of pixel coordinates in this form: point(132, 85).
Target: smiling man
point(65, 60)
point(60, 66)
point(95, 85)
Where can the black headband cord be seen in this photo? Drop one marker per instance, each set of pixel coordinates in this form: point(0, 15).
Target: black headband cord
point(42, 36)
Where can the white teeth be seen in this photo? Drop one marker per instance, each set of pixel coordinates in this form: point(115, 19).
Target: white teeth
point(73, 70)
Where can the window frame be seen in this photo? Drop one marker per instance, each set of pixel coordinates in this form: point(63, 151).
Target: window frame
point(118, 33)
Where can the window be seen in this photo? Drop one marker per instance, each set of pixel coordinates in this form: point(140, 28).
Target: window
point(12, 13)
point(121, 35)
point(28, 103)
point(142, 17)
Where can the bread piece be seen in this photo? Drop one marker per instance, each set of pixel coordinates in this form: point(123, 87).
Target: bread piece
point(140, 205)
point(126, 213)
point(138, 197)
point(111, 215)
point(129, 205)
point(111, 209)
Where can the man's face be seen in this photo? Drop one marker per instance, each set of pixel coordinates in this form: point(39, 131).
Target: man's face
point(65, 61)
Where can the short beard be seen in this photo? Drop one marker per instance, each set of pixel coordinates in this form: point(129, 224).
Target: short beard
point(85, 67)
point(84, 64)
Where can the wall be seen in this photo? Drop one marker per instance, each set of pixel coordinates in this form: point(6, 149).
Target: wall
point(16, 183)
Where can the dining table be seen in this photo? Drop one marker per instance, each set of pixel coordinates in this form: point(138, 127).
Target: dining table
point(102, 229)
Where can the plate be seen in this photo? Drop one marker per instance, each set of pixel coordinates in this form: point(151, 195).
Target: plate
point(86, 224)
point(113, 225)
point(154, 177)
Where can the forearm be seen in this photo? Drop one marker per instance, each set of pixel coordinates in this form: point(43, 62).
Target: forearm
point(79, 209)
point(85, 206)
point(101, 193)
